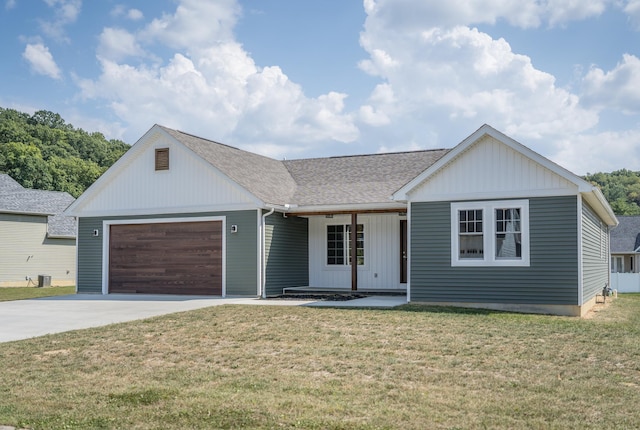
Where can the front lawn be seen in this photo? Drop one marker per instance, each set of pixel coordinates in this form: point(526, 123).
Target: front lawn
point(268, 367)
point(20, 293)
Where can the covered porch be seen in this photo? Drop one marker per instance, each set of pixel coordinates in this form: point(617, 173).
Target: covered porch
point(374, 260)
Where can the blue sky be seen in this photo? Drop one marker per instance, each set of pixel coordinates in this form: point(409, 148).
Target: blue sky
point(297, 79)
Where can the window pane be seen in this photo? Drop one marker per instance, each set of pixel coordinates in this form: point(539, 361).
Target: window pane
point(335, 244)
point(508, 234)
point(471, 246)
point(471, 243)
point(359, 244)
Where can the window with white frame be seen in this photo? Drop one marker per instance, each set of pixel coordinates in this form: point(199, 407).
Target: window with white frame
point(491, 233)
point(339, 244)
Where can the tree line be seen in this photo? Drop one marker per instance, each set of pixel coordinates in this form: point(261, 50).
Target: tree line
point(42, 151)
point(621, 189)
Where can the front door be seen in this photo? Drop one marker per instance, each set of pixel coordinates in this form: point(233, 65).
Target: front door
point(403, 251)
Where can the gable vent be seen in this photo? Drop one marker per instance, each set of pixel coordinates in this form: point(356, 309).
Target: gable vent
point(162, 159)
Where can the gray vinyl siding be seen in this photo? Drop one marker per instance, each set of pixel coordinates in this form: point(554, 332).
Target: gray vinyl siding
point(286, 253)
point(595, 253)
point(89, 256)
point(241, 251)
point(551, 278)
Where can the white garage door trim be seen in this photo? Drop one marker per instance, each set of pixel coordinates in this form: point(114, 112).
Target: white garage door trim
point(106, 226)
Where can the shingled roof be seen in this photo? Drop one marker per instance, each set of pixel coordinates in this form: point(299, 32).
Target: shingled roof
point(625, 238)
point(358, 179)
point(14, 198)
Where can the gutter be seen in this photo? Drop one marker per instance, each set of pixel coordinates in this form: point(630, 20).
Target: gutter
point(263, 280)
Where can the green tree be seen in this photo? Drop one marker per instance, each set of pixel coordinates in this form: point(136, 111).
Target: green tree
point(25, 164)
point(73, 174)
point(43, 151)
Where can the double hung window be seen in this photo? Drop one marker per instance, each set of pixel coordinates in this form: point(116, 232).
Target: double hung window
point(492, 233)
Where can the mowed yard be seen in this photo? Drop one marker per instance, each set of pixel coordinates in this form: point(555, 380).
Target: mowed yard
point(272, 367)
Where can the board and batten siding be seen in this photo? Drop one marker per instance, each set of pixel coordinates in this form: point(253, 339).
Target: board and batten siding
point(286, 253)
point(551, 278)
point(26, 252)
point(241, 250)
point(595, 253)
point(189, 185)
point(382, 253)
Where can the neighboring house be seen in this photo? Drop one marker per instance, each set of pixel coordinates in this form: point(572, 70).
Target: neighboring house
point(35, 239)
point(488, 224)
point(625, 253)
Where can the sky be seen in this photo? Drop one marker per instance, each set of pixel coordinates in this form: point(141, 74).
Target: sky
point(314, 78)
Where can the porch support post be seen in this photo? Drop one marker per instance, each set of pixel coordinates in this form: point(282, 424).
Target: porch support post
point(354, 251)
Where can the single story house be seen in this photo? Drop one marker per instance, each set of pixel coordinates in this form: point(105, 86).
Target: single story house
point(625, 253)
point(488, 224)
point(35, 238)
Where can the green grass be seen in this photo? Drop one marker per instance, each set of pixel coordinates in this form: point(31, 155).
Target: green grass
point(272, 367)
point(21, 293)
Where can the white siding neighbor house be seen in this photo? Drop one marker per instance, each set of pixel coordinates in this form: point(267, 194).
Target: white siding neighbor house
point(625, 255)
point(35, 239)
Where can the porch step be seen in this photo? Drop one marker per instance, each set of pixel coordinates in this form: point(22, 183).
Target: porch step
point(319, 291)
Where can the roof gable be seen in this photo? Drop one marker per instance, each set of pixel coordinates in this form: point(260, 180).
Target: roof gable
point(489, 164)
point(191, 184)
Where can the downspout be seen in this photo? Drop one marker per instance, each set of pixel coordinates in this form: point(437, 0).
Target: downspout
point(263, 281)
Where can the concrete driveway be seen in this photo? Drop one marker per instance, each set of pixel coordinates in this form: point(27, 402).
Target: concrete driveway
point(23, 319)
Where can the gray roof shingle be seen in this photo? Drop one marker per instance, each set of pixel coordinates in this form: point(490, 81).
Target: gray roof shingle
point(16, 199)
point(358, 179)
point(625, 238)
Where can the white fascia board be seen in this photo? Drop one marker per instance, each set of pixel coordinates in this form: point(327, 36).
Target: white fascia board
point(170, 210)
point(403, 193)
point(348, 207)
point(600, 205)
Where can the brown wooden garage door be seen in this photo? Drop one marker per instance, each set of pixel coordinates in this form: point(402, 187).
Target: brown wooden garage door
point(166, 258)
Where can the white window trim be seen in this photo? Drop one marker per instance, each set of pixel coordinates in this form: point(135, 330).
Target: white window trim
point(489, 233)
point(346, 265)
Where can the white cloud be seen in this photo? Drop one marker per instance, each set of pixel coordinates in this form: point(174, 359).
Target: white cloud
point(466, 74)
point(632, 9)
point(221, 94)
point(599, 152)
point(135, 14)
point(618, 89)
point(416, 15)
point(131, 14)
point(117, 44)
point(65, 12)
point(195, 24)
point(9, 4)
point(41, 61)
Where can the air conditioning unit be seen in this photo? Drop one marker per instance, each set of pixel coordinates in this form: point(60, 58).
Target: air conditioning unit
point(44, 281)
